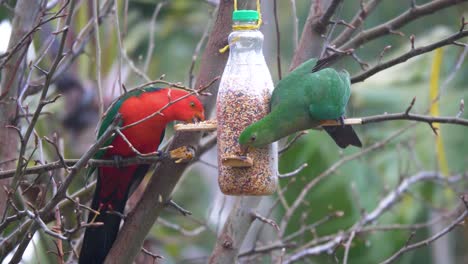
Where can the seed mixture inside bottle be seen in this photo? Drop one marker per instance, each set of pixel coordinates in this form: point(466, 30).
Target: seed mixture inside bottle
point(243, 98)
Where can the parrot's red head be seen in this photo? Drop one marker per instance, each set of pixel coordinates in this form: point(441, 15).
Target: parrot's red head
point(189, 109)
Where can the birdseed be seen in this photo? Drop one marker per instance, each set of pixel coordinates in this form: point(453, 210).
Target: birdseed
point(236, 110)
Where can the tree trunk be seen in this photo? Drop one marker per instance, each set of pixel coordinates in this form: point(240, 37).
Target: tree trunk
point(26, 17)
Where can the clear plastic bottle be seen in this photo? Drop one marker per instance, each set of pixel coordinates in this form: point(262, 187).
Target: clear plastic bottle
point(243, 98)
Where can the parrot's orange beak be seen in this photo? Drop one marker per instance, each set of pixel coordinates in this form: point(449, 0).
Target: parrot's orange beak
point(199, 116)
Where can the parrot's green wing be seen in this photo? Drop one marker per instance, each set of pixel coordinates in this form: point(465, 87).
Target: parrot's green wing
point(109, 117)
point(324, 94)
point(328, 92)
point(287, 87)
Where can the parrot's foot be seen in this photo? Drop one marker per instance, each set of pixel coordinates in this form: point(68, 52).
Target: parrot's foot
point(341, 120)
point(178, 208)
point(162, 154)
point(118, 161)
point(117, 213)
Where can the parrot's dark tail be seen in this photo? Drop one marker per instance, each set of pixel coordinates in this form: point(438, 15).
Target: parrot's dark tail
point(98, 240)
point(343, 135)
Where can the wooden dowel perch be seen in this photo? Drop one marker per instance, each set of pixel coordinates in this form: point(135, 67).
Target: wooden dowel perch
point(240, 161)
point(237, 161)
point(347, 121)
point(211, 125)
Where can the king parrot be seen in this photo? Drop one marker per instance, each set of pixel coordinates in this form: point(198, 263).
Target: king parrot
point(303, 100)
point(113, 183)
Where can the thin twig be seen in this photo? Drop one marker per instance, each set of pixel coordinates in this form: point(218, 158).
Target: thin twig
point(119, 41)
point(295, 24)
point(265, 220)
point(98, 56)
point(266, 249)
point(197, 50)
point(398, 22)
point(356, 22)
point(408, 55)
point(278, 40)
point(301, 196)
point(149, 52)
point(294, 172)
point(332, 241)
point(324, 20)
point(427, 241)
point(188, 233)
point(292, 141)
point(38, 169)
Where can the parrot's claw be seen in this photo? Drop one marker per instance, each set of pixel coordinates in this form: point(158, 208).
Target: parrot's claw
point(162, 154)
point(118, 161)
point(183, 211)
point(341, 120)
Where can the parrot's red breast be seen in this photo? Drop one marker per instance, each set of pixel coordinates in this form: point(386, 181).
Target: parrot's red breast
point(145, 136)
point(113, 184)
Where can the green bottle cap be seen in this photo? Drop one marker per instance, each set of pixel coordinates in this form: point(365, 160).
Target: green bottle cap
point(245, 15)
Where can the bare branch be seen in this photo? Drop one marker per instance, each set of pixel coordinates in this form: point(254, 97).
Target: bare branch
point(427, 241)
point(189, 233)
point(301, 196)
point(197, 50)
point(98, 56)
point(270, 222)
point(399, 21)
point(292, 141)
point(324, 20)
point(295, 24)
point(278, 38)
point(150, 50)
point(356, 22)
point(294, 172)
point(410, 54)
point(386, 203)
point(415, 117)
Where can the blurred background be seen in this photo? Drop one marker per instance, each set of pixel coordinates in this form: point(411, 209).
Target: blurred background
point(161, 37)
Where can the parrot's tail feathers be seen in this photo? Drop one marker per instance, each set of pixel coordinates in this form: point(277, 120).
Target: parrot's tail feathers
point(98, 240)
point(343, 135)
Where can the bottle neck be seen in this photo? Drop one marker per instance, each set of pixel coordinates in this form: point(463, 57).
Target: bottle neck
point(245, 25)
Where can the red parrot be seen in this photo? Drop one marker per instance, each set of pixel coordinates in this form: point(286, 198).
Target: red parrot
point(113, 183)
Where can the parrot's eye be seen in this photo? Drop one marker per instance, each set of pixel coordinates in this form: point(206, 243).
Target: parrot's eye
point(192, 104)
point(253, 138)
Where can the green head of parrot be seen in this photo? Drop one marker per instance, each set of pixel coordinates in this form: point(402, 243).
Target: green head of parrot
point(252, 136)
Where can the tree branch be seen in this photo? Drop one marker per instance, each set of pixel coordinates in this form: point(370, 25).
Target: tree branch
point(386, 203)
point(410, 54)
point(427, 241)
point(356, 22)
point(399, 21)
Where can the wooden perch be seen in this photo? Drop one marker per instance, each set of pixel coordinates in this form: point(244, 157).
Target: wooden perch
point(347, 121)
point(211, 125)
point(237, 161)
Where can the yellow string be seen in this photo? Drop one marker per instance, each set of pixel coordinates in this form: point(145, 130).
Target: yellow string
point(245, 27)
point(434, 109)
point(249, 27)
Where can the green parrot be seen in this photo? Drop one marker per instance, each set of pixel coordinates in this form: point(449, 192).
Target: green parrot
point(302, 100)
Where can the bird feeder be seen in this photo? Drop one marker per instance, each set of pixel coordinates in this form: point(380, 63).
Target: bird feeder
point(243, 98)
